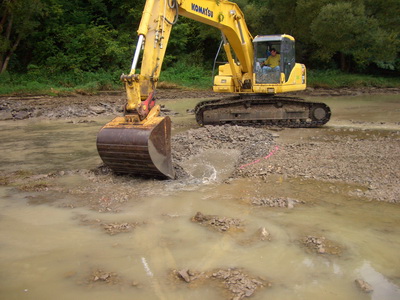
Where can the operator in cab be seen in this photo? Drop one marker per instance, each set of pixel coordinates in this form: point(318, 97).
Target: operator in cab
point(272, 63)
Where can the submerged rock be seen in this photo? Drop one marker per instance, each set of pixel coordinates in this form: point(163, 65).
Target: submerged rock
point(218, 223)
point(321, 245)
point(363, 286)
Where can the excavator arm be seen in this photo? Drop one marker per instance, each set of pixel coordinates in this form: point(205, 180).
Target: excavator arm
point(139, 142)
point(154, 31)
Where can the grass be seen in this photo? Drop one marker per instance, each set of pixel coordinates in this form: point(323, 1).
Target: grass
point(181, 75)
point(338, 79)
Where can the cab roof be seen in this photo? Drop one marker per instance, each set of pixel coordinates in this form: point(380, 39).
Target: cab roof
point(272, 38)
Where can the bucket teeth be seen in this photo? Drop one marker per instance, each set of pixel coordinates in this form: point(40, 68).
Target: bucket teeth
point(143, 150)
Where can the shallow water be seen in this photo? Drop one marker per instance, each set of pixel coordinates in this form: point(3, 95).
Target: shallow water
point(366, 108)
point(48, 250)
point(45, 145)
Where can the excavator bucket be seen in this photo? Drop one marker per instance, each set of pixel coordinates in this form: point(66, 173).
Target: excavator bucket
point(143, 149)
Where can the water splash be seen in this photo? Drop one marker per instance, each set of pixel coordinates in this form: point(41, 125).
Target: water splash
point(212, 166)
point(207, 179)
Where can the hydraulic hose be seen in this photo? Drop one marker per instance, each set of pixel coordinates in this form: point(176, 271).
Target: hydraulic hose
point(173, 5)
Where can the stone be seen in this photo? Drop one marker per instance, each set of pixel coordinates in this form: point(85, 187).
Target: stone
point(5, 115)
point(363, 286)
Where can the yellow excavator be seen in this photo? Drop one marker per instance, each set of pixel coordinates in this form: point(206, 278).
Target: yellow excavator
point(140, 141)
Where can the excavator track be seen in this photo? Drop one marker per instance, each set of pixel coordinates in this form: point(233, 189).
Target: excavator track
point(289, 112)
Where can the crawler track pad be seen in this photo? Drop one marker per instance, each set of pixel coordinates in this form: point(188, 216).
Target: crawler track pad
point(143, 150)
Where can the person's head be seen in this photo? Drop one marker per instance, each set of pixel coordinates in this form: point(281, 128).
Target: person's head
point(273, 51)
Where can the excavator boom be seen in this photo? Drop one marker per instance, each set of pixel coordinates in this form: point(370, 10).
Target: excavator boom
point(139, 142)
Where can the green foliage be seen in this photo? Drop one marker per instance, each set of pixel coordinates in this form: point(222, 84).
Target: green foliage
point(386, 12)
point(65, 42)
point(87, 48)
point(202, 42)
point(177, 43)
point(80, 35)
point(18, 20)
point(358, 35)
point(257, 15)
point(344, 27)
point(282, 14)
point(188, 75)
point(352, 33)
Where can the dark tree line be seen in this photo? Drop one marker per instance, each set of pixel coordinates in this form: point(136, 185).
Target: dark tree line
point(91, 35)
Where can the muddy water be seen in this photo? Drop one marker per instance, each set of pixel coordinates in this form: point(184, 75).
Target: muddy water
point(372, 108)
point(46, 145)
point(50, 246)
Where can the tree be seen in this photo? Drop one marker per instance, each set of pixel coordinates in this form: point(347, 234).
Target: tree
point(89, 35)
point(345, 28)
point(82, 35)
point(18, 21)
point(386, 12)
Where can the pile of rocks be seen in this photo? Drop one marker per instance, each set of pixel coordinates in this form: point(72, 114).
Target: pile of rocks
point(253, 143)
point(276, 202)
point(238, 283)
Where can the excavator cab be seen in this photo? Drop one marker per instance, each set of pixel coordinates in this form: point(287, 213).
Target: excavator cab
point(284, 46)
